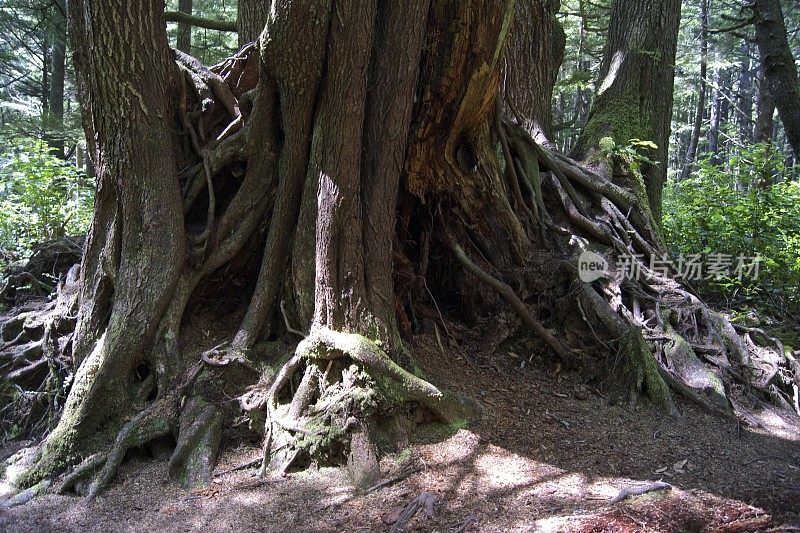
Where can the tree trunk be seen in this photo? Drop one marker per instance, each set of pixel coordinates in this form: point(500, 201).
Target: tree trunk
point(634, 95)
point(745, 99)
point(779, 67)
point(184, 39)
point(534, 53)
point(697, 125)
point(252, 17)
point(765, 109)
point(136, 242)
point(55, 109)
point(716, 112)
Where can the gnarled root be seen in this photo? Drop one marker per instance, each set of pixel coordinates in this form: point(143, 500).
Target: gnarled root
point(156, 421)
point(192, 462)
point(328, 415)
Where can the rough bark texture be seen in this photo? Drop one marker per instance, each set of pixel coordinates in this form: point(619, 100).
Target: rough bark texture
point(534, 53)
point(634, 96)
point(764, 127)
point(779, 67)
point(184, 39)
point(252, 16)
point(125, 85)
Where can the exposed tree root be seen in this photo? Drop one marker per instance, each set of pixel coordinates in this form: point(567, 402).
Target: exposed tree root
point(35, 360)
point(330, 406)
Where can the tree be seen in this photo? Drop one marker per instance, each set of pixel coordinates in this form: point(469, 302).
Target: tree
point(184, 40)
point(337, 176)
point(634, 96)
point(535, 52)
point(251, 18)
point(780, 71)
point(694, 141)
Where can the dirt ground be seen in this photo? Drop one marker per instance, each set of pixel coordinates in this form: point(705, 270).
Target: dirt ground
point(549, 453)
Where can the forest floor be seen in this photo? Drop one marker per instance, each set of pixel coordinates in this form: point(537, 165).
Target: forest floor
point(549, 453)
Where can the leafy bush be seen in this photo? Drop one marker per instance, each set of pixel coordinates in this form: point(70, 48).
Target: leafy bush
point(41, 198)
point(747, 207)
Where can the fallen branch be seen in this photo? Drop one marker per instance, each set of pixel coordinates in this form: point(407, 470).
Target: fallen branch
point(638, 491)
point(425, 500)
point(392, 481)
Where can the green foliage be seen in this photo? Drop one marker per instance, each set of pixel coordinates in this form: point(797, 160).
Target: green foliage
point(750, 206)
point(632, 155)
point(41, 197)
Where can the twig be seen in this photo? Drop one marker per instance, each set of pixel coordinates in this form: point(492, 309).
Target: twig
point(392, 481)
point(426, 500)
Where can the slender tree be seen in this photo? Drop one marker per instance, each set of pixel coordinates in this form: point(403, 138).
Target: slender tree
point(184, 39)
point(697, 124)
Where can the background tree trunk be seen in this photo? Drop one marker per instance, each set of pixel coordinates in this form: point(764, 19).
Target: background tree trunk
point(697, 124)
point(780, 71)
point(534, 53)
point(252, 17)
point(765, 109)
point(184, 39)
point(55, 102)
point(634, 95)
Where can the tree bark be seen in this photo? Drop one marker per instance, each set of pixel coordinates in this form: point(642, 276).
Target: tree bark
point(716, 112)
point(184, 39)
point(634, 96)
point(350, 167)
point(534, 54)
point(55, 103)
point(136, 241)
point(780, 71)
point(253, 16)
point(765, 109)
point(745, 99)
point(697, 125)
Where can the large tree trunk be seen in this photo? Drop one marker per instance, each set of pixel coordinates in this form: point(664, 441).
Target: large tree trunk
point(337, 176)
point(534, 53)
point(136, 243)
point(779, 67)
point(634, 96)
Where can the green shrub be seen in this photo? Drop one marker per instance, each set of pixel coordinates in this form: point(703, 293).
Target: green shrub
point(749, 206)
point(41, 198)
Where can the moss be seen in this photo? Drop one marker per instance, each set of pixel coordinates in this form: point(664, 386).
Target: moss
point(438, 431)
point(640, 371)
point(619, 118)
